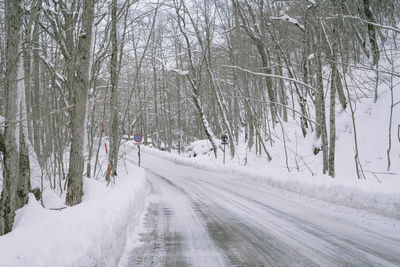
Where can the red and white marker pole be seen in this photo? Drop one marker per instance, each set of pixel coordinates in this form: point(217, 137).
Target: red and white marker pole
point(138, 138)
point(105, 146)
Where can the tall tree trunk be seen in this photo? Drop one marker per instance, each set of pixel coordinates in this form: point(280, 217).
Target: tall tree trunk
point(194, 83)
point(339, 90)
point(11, 174)
point(115, 125)
point(36, 89)
point(156, 132)
point(210, 135)
point(24, 181)
point(332, 124)
point(282, 92)
point(270, 90)
point(91, 136)
point(321, 130)
point(371, 32)
point(79, 101)
point(373, 41)
point(27, 51)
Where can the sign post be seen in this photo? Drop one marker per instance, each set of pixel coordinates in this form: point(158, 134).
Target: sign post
point(398, 132)
point(138, 139)
point(224, 139)
point(105, 146)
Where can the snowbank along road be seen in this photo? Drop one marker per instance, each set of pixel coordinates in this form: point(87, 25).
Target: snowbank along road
point(200, 218)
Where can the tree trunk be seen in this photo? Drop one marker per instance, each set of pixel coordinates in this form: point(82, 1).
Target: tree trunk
point(115, 125)
point(10, 200)
point(24, 181)
point(36, 90)
point(270, 90)
point(372, 40)
point(332, 124)
point(320, 105)
point(204, 121)
point(282, 92)
point(340, 91)
point(78, 113)
point(371, 31)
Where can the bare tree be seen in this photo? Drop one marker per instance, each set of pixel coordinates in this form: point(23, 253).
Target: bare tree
point(115, 133)
point(16, 173)
point(79, 100)
point(195, 76)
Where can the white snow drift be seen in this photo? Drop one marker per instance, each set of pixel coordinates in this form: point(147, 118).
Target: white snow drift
point(93, 233)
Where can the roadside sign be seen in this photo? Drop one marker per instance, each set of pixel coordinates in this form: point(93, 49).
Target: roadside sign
point(224, 139)
point(138, 138)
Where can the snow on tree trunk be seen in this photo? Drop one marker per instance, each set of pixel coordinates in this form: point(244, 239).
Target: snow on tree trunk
point(210, 135)
point(24, 168)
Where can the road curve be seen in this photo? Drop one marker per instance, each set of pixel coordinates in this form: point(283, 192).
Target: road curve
point(199, 218)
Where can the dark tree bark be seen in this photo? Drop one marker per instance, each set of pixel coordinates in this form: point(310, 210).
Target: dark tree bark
point(115, 125)
point(321, 130)
point(371, 31)
point(15, 181)
point(36, 86)
point(332, 118)
point(79, 101)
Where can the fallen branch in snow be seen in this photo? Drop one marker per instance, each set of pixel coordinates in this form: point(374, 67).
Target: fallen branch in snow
point(57, 208)
point(375, 174)
point(297, 155)
point(388, 173)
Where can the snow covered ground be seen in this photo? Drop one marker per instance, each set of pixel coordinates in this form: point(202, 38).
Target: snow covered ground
point(93, 233)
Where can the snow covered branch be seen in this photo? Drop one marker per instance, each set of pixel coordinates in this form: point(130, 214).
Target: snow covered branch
point(271, 75)
point(386, 27)
point(290, 20)
point(180, 72)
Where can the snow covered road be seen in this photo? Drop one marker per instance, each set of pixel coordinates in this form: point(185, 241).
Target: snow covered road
point(199, 218)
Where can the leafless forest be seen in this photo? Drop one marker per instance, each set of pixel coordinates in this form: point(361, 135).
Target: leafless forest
point(178, 71)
